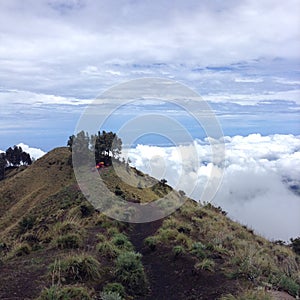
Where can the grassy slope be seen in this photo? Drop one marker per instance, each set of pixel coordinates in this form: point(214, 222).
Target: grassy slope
point(197, 253)
point(21, 193)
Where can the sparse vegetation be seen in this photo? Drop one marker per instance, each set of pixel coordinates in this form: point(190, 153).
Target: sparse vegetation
point(69, 241)
point(107, 249)
point(249, 295)
point(26, 223)
point(295, 243)
point(115, 287)
point(98, 256)
point(80, 267)
point(206, 264)
point(151, 242)
point(178, 250)
point(121, 241)
point(65, 293)
point(290, 285)
point(198, 249)
point(21, 249)
point(130, 272)
point(110, 296)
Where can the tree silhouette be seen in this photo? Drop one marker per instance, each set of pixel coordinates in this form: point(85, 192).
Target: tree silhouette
point(71, 141)
point(13, 157)
point(295, 243)
point(80, 144)
point(103, 145)
point(16, 156)
point(106, 145)
point(26, 159)
point(163, 182)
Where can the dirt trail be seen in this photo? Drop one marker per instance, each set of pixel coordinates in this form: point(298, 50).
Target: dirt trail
point(172, 279)
point(22, 279)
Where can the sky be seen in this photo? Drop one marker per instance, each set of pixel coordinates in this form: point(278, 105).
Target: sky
point(241, 57)
point(56, 56)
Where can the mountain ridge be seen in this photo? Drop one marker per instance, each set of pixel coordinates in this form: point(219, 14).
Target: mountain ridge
point(197, 252)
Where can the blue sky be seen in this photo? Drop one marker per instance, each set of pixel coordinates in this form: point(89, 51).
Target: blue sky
point(57, 56)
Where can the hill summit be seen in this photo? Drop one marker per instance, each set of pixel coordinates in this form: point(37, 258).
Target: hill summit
point(55, 245)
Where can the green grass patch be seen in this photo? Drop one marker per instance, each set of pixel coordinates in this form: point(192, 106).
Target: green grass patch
point(81, 267)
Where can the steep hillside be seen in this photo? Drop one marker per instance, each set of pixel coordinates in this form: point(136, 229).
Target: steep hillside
point(55, 245)
point(21, 193)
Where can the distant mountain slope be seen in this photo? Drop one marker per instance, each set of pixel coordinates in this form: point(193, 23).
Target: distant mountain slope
point(55, 245)
point(20, 193)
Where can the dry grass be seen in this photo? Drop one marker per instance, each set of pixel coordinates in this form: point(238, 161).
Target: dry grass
point(244, 254)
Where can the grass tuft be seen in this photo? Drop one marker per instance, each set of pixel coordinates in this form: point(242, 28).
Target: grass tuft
point(81, 267)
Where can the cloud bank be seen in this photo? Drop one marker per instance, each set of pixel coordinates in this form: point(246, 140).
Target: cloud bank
point(34, 152)
point(261, 183)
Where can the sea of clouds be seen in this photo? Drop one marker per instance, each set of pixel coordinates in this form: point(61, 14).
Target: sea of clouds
point(261, 178)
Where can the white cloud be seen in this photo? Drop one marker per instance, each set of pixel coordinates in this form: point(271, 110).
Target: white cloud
point(255, 98)
point(58, 40)
point(91, 70)
point(255, 188)
point(34, 152)
point(17, 97)
point(288, 82)
point(249, 80)
point(112, 72)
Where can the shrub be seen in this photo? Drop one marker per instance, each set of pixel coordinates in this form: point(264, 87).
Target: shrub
point(221, 250)
point(21, 249)
point(181, 193)
point(69, 241)
point(295, 243)
point(3, 247)
point(86, 210)
point(107, 249)
point(110, 296)
point(130, 272)
point(67, 226)
point(251, 261)
point(30, 238)
point(101, 237)
point(65, 293)
point(182, 239)
point(115, 288)
point(121, 241)
point(246, 267)
point(206, 264)
point(289, 285)
point(184, 228)
point(119, 192)
point(197, 249)
point(103, 221)
point(165, 235)
point(178, 250)
point(169, 223)
point(76, 268)
point(26, 223)
point(112, 231)
point(215, 209)
point(151, 242)
point(249, 295)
